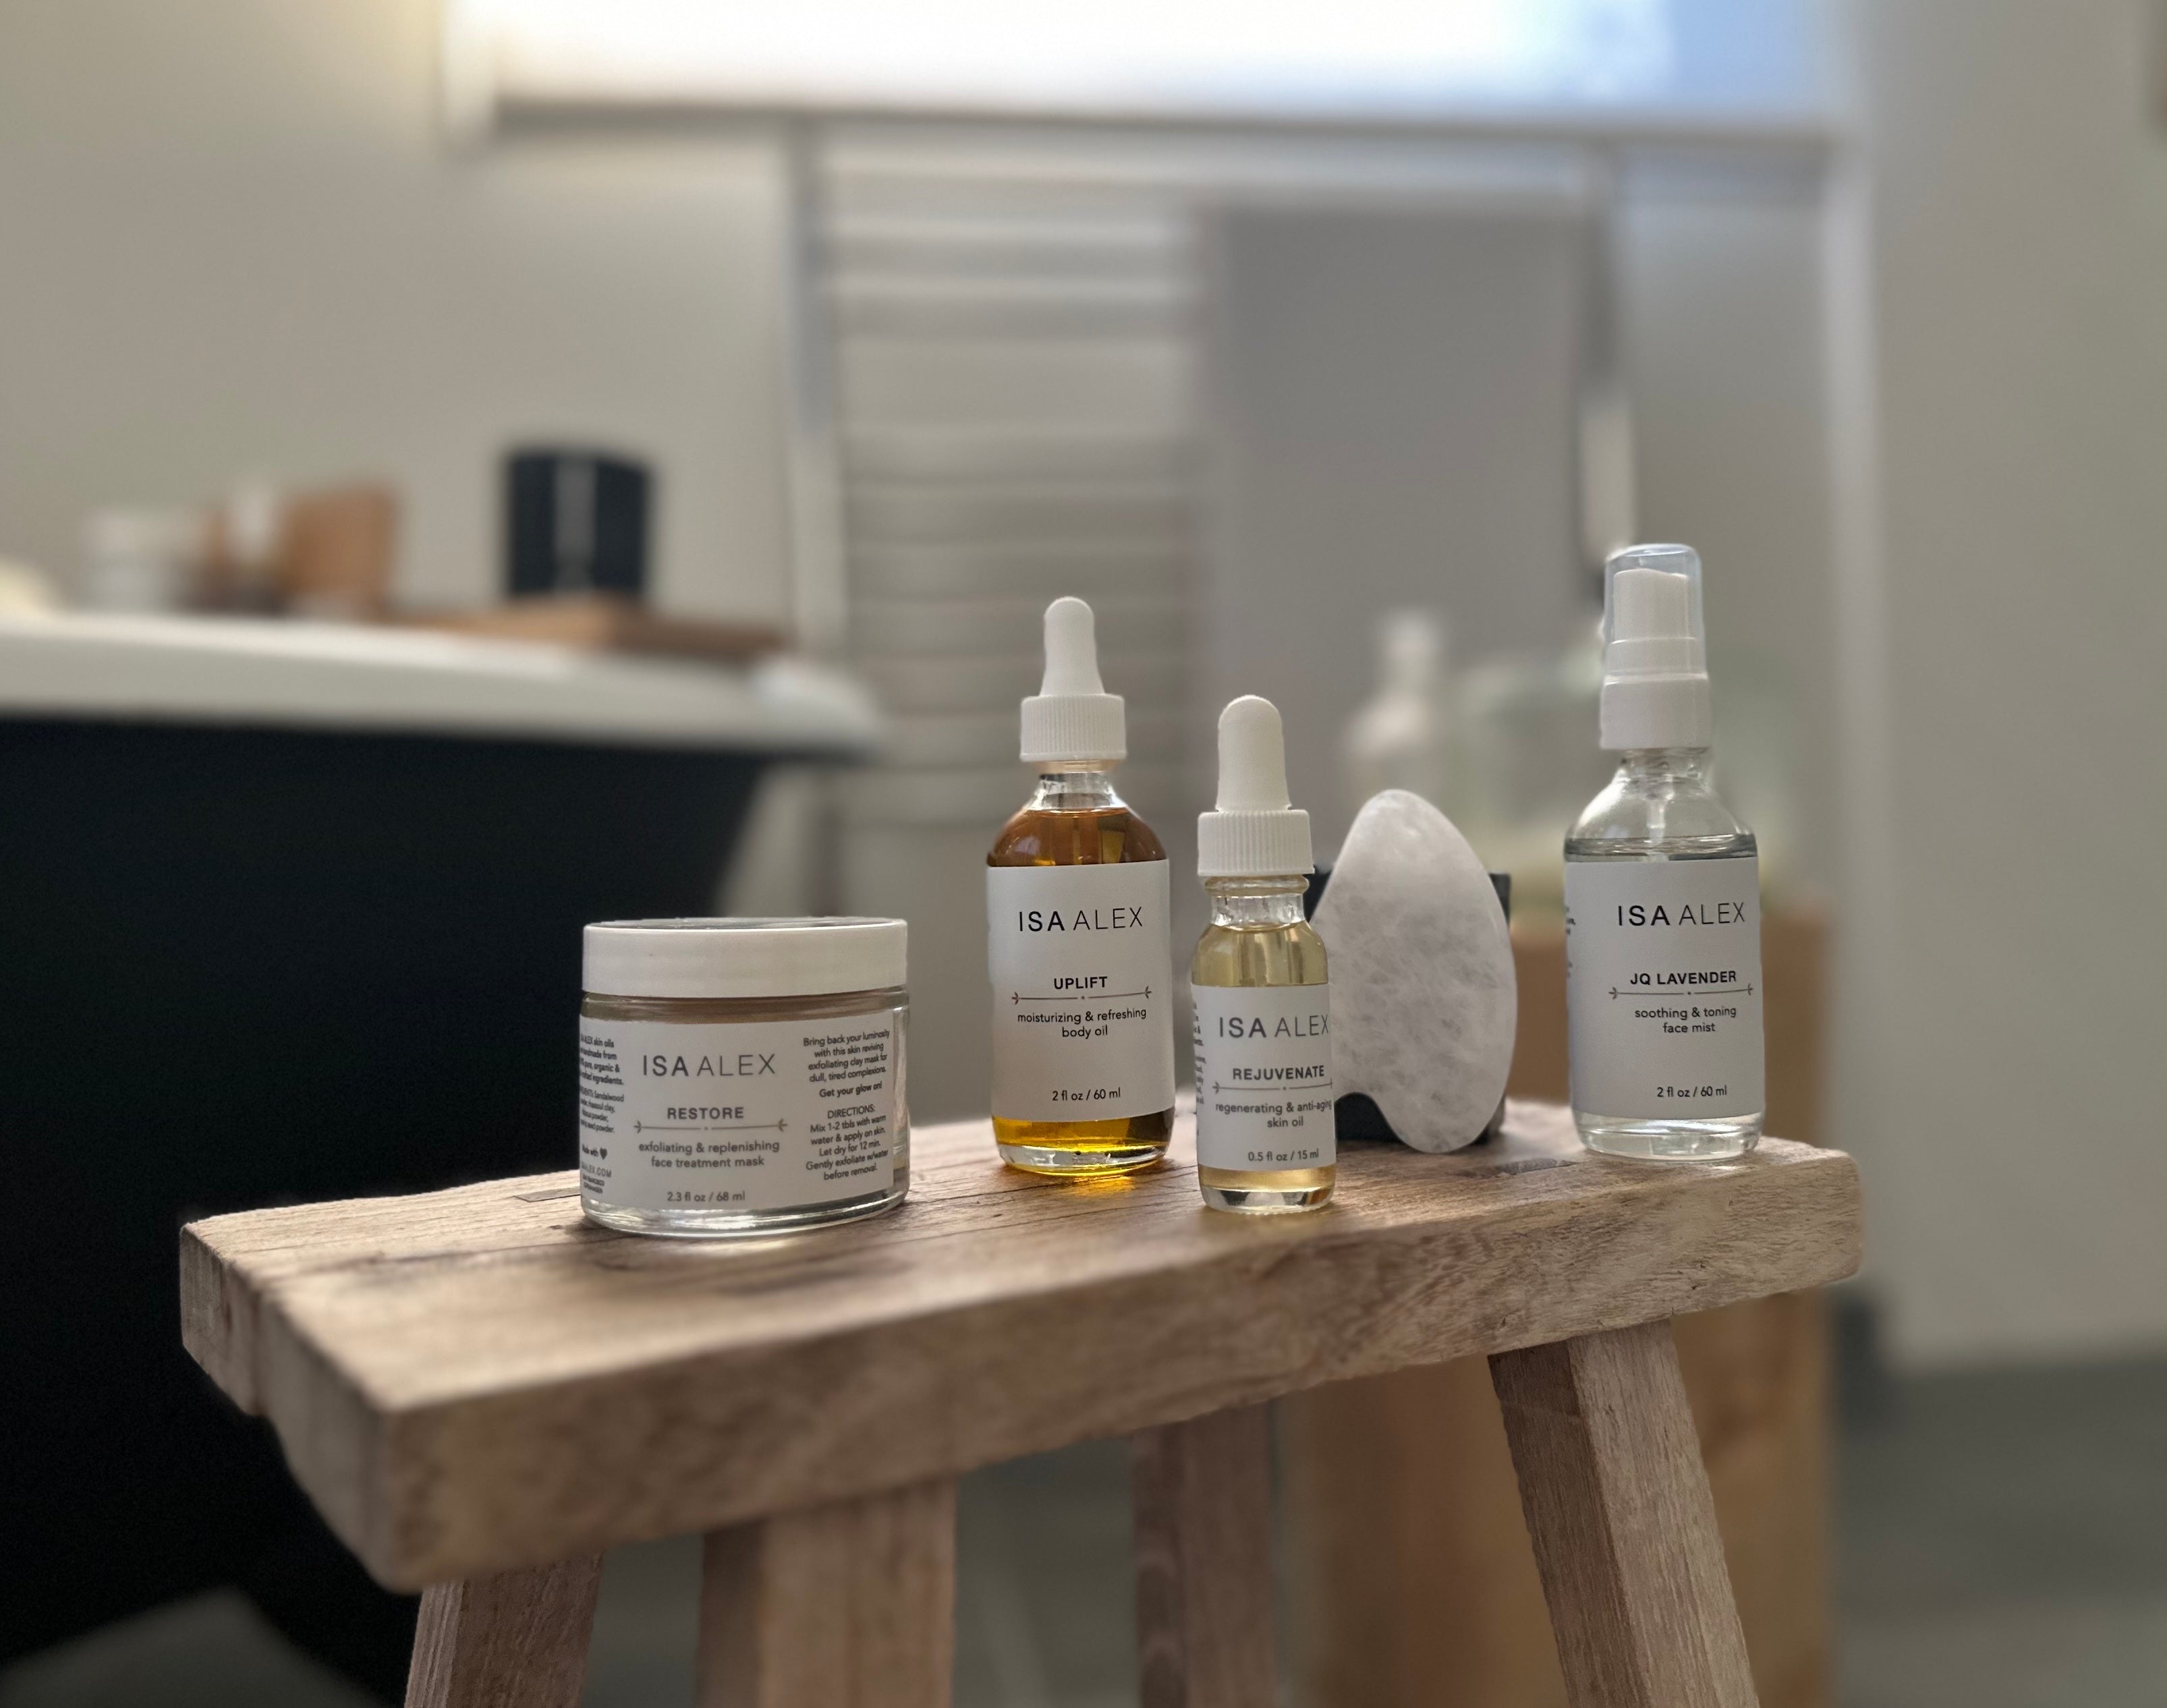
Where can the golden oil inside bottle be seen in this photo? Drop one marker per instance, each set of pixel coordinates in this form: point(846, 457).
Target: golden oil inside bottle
point(1258, 939)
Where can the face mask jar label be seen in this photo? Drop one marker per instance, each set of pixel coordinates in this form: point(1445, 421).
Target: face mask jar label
point(750, 1116)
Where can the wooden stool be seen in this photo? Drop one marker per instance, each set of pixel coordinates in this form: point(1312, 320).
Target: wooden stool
point(1411, 1583)
point(482, 1394)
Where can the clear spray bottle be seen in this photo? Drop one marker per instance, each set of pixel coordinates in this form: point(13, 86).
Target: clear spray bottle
point(1264, 1122)
point(1662, 894)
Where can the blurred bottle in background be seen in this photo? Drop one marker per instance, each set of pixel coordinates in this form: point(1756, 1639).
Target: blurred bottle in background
point(142, 560)
point(1526, 762)
point(327, 554)
point(1401, 739)
point(245, 549)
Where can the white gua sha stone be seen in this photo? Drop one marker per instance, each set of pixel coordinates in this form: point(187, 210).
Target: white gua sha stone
point(1424, 1002)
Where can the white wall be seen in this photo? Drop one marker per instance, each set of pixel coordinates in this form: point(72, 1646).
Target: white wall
point(2018, 1171)
point(232, 239)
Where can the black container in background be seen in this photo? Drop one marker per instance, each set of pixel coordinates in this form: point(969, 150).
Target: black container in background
point(576, 521)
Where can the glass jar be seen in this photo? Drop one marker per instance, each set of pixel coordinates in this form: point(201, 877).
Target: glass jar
point(742, 1076)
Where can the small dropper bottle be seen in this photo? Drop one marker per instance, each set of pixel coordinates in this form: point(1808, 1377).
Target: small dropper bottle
point(1264, 1124)
point(1662, 895)
point(1077, 900)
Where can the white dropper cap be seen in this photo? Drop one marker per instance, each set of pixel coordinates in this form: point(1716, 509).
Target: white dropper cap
point(1655, 651)
point(1073, 719)
point(1254, 832)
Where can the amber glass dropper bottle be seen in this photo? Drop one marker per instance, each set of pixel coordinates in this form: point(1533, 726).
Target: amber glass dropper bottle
point(1076, 898)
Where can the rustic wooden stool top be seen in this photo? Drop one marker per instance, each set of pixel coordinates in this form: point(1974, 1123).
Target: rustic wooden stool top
point(482, 1393)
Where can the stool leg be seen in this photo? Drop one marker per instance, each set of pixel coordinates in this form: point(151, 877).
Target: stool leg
point(1618, 1506)
point(1203, 1493)
point(851, 1605)
point(518, 1640)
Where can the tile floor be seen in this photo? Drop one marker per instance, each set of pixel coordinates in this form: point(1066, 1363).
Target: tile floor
point(2002, 1543)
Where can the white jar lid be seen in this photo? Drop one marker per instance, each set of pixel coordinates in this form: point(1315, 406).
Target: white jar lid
point(743, 957)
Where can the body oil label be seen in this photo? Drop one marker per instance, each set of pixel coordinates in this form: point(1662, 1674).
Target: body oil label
point(1081, 969)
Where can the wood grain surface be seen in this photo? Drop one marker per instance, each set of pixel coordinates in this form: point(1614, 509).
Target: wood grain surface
point(851, 1605)
point(476, 1380)
point(1622, 1525)
point(1203, 1492)
point(517, 1640)
point(606, 622)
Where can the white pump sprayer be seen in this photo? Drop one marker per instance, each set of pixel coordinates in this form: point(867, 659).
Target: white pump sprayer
point(1655, 652)
point(1072, 719)
point(1255, 832)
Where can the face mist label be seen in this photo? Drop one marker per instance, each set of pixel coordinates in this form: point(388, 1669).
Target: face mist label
point(1263, 1077)
point(1663, 987)
point(1081, 969)
point(762, 1115)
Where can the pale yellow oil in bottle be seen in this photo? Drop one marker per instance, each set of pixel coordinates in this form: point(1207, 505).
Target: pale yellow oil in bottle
point(1258, 938)
point(1075, 819)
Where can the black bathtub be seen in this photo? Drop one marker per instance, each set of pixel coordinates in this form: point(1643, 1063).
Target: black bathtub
point(280, 925)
